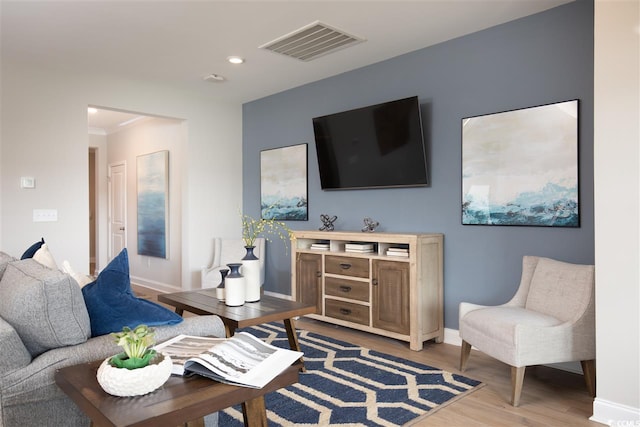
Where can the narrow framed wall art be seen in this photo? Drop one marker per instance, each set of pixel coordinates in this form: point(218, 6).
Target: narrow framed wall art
point(153, 203)
point(520, 167)
point(283, 183)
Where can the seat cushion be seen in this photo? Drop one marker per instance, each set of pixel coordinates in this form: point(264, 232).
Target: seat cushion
point(499, 323)
point(44, 306)
point(112, 305)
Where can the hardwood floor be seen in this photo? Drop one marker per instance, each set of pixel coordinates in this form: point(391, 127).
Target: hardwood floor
point(550, 397)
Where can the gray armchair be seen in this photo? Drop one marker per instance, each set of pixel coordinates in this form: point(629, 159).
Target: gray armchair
point(551, 319)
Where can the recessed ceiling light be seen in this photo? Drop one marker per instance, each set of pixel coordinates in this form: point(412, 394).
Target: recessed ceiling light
point(213, 78)
point(92, 110)
point(235, 60)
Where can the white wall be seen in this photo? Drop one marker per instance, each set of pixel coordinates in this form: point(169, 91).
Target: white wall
point(617, 214)
point(149, 136)
point(44, 135)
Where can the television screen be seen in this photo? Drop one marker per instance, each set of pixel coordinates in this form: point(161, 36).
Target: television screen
point(372, 147)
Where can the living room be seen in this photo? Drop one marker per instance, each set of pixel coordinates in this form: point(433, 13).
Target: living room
point(533, 61)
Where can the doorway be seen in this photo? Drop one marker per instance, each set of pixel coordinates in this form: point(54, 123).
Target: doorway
point(117, 140)
point(117, 194)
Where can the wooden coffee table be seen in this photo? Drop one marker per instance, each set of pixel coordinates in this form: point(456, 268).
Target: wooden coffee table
point(268, 309)
point(178, 401)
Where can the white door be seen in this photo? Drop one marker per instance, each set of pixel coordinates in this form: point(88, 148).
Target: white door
point(117, 208)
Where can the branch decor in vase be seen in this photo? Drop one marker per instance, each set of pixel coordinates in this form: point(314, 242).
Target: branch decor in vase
point(139, 369)
point(251, 230)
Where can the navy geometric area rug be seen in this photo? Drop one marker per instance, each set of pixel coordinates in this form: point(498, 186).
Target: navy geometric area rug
point(345, 384)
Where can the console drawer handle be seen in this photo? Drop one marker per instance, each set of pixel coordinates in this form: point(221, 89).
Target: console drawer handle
point(344, 288)
point(345, 266)
point(345, 311)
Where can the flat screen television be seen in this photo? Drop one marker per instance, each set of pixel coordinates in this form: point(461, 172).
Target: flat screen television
point(378, 146)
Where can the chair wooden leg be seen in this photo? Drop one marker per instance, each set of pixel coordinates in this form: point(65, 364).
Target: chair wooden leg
point(589, 371)
point(465, 351)
point(517, 379)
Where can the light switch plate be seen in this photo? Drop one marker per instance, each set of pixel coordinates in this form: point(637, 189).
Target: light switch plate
point(45, 215)
point(27, 182)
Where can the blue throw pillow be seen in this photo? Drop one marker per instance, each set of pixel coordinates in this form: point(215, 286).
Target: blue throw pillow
point(112, 305)
point(31, 251)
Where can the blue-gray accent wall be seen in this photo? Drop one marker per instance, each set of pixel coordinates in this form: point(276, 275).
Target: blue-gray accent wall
point(540, 59)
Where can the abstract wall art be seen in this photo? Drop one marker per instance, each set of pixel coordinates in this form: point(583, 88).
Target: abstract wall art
point(283, 183)
point(520, 167)
point(153, 203)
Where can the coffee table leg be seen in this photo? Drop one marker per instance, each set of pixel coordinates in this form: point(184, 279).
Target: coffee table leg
point(254, 412)
point(229, 330)
point(293, 338)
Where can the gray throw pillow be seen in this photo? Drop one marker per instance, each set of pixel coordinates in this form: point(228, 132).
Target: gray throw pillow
point(44, 306)
point(4, 260)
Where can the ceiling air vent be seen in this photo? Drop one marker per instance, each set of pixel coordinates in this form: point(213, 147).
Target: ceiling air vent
point(312, 41)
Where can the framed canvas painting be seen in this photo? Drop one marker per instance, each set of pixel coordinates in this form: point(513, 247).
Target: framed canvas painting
point(520, 167)
point(153, 203)
point(283, 183)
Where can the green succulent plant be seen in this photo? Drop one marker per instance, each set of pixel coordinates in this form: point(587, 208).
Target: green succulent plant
point(135, 343)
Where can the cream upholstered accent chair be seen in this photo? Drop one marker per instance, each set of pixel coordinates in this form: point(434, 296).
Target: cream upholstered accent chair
point(550, 319)
point(226, 251)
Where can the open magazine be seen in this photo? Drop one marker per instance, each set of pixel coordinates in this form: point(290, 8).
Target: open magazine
point(242, 360)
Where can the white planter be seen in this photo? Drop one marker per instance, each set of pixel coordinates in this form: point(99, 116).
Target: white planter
point(134, 382)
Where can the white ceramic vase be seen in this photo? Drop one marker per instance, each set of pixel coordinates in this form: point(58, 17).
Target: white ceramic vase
point(234, 288)
point(125, 382)
point(220, 294)
point(251, 273)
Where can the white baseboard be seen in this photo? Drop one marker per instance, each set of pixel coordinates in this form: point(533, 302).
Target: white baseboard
point(451, 336)
point(156, 286)
point(615, 414)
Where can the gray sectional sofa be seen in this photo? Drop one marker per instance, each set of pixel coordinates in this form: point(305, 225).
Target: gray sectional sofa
point(44, 326)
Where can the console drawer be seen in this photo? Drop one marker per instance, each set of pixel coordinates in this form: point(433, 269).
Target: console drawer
point(347, 266)
point(350, 312)
point(346, 288)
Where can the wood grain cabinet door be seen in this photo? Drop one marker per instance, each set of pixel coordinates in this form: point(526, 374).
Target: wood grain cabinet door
point(390, 296)
point(309, 280)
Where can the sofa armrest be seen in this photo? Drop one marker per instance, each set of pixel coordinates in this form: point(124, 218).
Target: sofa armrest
point(13, 353)
point(211, 326)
